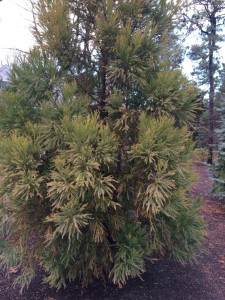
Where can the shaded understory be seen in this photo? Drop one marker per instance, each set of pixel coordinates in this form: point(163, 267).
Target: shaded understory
point(202, 280)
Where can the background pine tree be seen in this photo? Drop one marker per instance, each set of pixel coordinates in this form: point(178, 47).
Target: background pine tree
point(206, 18)
point(95, 145)
point(219, 165)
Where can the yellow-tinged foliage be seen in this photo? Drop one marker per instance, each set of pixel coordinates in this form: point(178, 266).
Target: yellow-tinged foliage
point(129, 213)
point(54, 28)
point(90, 185)
point(159, 155)
point(173, 94)
point(69, 220)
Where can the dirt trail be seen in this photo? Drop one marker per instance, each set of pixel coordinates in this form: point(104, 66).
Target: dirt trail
point(203, 280)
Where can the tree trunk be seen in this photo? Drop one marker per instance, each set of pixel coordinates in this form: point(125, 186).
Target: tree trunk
point(212, 43)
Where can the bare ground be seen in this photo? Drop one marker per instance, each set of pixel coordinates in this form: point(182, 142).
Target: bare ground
point(164, 280)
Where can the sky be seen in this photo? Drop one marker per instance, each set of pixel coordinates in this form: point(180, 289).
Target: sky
point(15, 19)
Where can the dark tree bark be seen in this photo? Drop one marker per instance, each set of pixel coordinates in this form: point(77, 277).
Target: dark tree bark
point(212, 44)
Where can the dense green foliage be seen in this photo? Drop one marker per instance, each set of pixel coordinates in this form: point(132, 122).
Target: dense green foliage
point(219, 165)
point(95, 145)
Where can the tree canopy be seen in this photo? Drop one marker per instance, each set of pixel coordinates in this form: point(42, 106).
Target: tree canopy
point(95, 145)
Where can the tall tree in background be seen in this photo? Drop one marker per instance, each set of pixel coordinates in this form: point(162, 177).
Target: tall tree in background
point(95, 145)
point(219, 166)
point(208, 20)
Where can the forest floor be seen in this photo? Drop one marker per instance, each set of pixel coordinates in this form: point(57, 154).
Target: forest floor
point(163, 280)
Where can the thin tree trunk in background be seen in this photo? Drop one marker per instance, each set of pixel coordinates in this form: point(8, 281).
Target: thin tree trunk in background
point(212, 43)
